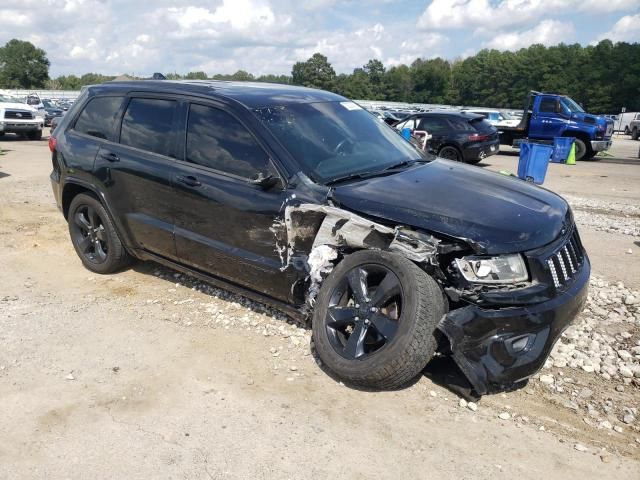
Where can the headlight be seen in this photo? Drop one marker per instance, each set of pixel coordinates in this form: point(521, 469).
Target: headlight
point(500, 269)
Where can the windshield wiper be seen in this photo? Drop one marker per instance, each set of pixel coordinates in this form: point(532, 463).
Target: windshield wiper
point(405, 163)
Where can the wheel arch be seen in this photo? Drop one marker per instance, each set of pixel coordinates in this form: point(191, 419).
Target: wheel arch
point(74, 187)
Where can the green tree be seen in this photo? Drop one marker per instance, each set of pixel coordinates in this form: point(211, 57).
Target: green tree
point(431, 80)
point(375, 72)
point(316, 72)
point(23, 65)
point(196, 76)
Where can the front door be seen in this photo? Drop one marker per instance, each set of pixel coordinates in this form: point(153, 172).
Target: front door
point(224, 221)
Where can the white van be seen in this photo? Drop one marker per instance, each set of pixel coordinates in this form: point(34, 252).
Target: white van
point(623, 121)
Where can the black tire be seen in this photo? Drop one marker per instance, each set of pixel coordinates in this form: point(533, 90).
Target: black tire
point(582, 149)
point(94, 236)
point(634, 133)
point(36, 135)
point(407, 346)
point(450, 153)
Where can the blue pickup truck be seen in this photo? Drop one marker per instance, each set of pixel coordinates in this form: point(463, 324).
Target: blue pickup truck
point(548, 115)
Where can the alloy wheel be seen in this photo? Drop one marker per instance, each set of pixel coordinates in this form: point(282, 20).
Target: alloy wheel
point(364, 311)
point(90, 235)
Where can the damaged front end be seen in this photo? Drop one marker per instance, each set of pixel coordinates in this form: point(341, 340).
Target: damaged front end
point(499, 334)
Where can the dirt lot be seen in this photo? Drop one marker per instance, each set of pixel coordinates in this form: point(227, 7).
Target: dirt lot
point(149, 374)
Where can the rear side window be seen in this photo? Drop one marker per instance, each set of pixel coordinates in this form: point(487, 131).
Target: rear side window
point(99, 117)
point(217, 140)
point(148, 125)
point(433, 125)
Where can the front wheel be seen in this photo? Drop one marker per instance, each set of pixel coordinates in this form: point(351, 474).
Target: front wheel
point(634, 133)
point(375, 319)
point(94, 236)
point(583, 150)
point(35, 135)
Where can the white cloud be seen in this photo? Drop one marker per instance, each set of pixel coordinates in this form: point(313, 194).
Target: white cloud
point(446, 14)
point(627, 29)
point(547, 32)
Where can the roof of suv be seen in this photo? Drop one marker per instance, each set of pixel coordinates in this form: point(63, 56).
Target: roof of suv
point(250, 94)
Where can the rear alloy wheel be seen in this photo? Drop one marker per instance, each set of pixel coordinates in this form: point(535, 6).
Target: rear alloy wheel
point(94, 236)
point(450, 153)
point(375, 319)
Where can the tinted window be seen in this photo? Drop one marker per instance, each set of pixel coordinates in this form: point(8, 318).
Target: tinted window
point(481, 125)
point(148, 125)
point(548, 104)
point(217, 140)
point(462, 124)
point(99, 117)
point(434, 126)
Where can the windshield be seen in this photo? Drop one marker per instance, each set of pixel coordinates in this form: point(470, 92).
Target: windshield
point(7, 99)
point(332, 140)
point(572, 106)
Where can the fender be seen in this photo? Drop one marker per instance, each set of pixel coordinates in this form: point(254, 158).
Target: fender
point(71, 181)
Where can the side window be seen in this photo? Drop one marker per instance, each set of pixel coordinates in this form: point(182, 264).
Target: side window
point(460, 124)
point(217, 140)
point(433, 126)
point(548, 104)
point(148, 125)
point(99, 117)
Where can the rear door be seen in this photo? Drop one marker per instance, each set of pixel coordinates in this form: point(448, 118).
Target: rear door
point(137, 171)
point(223, 220)
point(438, 128)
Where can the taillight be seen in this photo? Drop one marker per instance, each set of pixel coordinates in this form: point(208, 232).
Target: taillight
point(52, 143)
point(476, 137)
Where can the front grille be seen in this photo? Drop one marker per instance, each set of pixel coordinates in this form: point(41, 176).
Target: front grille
point(566, 261)
point(18, 115)
point(609, 130)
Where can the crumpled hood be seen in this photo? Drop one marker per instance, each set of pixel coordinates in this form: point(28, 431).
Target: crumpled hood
point(496, 213)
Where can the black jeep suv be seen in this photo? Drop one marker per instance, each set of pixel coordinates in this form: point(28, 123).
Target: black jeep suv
point(303, 200)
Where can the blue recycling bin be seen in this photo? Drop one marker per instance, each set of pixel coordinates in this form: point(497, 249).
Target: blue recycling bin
point(561, 149)
point(534, 160)
point(406, 133)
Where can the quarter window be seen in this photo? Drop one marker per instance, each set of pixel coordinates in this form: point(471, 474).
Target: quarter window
point(217, 140)
point(433, 126)
point(148, 125)
point(99, 117)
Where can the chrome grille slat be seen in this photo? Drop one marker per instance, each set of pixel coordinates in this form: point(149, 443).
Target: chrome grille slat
point(566, 260)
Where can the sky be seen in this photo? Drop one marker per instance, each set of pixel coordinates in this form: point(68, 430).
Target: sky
point(268, 36)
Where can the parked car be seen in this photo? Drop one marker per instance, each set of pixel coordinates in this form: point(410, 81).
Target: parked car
point(19, 118)
point(463, 137)
point(51, 111)
point(496, 117)
point(303, 200)
point(548, 115)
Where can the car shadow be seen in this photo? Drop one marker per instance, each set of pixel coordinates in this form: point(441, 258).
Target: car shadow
point(2, 175)
point(441, 370)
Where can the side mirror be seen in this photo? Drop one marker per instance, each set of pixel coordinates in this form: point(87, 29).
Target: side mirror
point(266, 182)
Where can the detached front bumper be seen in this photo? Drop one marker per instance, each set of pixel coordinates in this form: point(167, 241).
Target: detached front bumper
point(600, 145)
point(497, 348)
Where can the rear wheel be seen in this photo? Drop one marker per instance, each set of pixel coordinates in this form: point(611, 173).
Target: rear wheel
point(94, 236)
point(634, 133)
point(450, 153)
point(375, 319)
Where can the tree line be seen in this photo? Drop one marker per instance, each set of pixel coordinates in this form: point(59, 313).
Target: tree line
point(603, 77)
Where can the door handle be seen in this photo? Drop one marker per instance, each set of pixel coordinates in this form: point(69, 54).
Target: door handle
point(110, 157)
point(188, 180)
